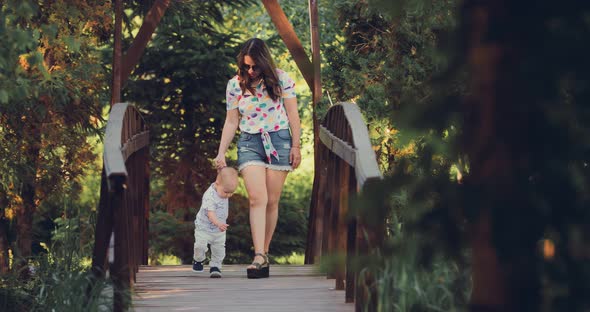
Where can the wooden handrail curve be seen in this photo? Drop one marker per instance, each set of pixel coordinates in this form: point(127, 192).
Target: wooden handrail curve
point(119, 143)
point(358, 153)
point(347, 163)
point(123, 213)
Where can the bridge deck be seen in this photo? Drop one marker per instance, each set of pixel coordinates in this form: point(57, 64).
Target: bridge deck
point(290, 288)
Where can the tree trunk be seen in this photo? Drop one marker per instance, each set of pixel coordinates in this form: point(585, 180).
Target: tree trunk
point(497, 144)
point(3, 247)
point(24, 223)
point(3, 237)
point(25, 213)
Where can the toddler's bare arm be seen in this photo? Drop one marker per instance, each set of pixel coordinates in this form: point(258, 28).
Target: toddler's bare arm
point(213, 218)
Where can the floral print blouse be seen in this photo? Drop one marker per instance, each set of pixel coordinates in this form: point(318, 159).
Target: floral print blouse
point(259, 113)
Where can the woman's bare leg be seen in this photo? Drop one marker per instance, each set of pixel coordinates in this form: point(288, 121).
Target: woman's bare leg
point(274, 185)
point(255, 182)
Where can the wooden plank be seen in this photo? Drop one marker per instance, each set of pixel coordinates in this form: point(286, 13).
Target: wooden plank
point(339, 147)
point(116, 152)
point(137, 142)
point(290, 288)
point(290, 39)
point(366, 164)
point(114, 163)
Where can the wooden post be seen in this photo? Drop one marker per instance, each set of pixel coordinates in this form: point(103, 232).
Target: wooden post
point(351, 247)
point(116, 84)
point(326, 208)
point(317, 219)
point(343, 193)
point(120, 270)
point(370, 237)
point(290, 39)
point(104, 228)
point(336, 204)
point(315, 57)
point(146, 202)
point(311, 255)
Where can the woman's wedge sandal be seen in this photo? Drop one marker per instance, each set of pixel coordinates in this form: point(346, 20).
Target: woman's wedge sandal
point(261, 270)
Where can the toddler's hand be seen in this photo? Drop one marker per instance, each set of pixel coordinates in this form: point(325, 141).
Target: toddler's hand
point(222, 227)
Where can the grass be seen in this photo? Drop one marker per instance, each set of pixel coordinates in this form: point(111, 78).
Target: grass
point(408, 287)
point(163, 259)
point(294, 258)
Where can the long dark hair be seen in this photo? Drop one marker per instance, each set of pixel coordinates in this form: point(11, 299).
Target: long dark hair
point(260, 54)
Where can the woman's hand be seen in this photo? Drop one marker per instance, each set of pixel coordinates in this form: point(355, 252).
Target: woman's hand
point(230, 125)
point(220, 161)
point(295, 156)
point(295, 125)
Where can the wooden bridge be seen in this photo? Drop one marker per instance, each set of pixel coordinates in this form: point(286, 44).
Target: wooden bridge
point(344, 164)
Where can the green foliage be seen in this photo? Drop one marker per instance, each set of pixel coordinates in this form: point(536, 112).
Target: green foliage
point(60, 278)
point(294, 258)
point(51, 96)
point(61, 288)
point(180, 86)
point(404, 286)
point(169, 234)
point(290, 234)
point(520, 143)
point(13, 296)
point(386, 63)
point(383, 62)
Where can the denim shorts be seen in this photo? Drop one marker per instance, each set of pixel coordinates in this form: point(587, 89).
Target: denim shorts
point(251, 150)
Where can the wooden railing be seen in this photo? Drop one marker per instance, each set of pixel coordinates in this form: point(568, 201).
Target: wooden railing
point(347, 165)
point(123, 210)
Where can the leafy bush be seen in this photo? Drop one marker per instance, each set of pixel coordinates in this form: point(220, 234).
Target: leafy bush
point(58, 279)
point(405, 286)
point(170, 234)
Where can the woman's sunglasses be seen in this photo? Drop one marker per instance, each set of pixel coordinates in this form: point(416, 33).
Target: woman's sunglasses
point(247, 67)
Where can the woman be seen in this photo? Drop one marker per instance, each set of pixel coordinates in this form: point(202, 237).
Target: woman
point(261, 100)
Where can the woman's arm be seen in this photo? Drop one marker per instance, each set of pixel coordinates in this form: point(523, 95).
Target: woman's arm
point(232, 119)
point(295, 124)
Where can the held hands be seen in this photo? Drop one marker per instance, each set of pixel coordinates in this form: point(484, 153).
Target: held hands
point(295, 156)
point(220, 161)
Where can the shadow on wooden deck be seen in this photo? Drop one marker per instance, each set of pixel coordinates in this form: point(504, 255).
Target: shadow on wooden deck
point(289, 288)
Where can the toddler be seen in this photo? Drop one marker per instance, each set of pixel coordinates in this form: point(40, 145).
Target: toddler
point(210, 223)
